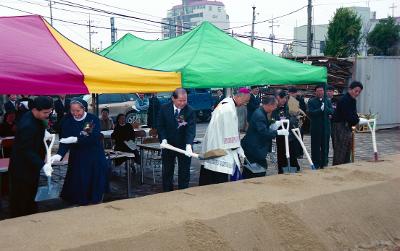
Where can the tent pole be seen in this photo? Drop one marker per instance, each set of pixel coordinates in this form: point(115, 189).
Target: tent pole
point(97, 105)
point(228, 92)
point(325, 129)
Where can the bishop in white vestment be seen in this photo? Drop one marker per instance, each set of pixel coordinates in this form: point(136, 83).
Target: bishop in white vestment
point(223, 133)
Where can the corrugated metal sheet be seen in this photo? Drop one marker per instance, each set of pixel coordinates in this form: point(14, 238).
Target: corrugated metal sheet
point(381, 79)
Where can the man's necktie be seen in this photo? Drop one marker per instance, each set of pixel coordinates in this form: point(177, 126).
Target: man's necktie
point(176, 113)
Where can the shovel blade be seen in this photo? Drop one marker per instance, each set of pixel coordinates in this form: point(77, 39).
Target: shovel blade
point(289, 169)
point(47, 193)
point(213, 154)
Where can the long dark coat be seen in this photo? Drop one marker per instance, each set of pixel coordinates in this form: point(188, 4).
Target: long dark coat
point(87, 176)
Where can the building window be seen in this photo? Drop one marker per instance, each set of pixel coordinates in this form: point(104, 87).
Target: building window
point(210, 8)
point(219, 8)
point(321, 46)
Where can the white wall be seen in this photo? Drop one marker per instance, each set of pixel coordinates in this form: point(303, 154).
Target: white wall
point(381, 79)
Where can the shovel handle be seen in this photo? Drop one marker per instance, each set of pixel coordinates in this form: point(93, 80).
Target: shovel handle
point(285, 126)
point(173, 148)
point(297, 133)
point(372, 128)
point(49, 147)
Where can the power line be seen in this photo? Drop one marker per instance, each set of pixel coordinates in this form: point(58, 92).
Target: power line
point(270, 19)
point(86, 13)
point(129, 10)
point(80, 24)
point(259, 38)
point(76, 5)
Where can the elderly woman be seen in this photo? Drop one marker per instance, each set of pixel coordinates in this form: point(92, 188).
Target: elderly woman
point(86, 179)
point(124, 132)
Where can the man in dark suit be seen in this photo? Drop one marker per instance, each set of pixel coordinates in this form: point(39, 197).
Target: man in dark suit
point(61, 107)
point(10, 105)
point(319, 134)
point(152, 112)
point(254, 102)
point(27, 157)
point(344, 117)
point(258, 139)
point(177, 127)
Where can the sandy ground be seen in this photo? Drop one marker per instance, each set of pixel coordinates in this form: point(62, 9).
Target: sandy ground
point(353, 207)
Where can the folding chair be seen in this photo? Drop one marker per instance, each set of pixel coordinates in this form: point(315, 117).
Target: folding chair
point(153, 158)
point(140, 135)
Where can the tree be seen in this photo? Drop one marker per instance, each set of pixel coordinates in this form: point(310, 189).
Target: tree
point(344, 33)
point(383, 37)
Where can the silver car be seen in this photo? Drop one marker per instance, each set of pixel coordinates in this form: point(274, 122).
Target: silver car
point(116, 103)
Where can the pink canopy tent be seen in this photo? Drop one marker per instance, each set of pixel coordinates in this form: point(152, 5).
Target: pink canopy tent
point(36, 59)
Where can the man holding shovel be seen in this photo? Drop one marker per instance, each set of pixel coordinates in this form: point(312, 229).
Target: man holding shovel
point(258, 139)
point(344, 118)
point(295, 150)
point(223, 133)
point(27, 158)
point(177, 127)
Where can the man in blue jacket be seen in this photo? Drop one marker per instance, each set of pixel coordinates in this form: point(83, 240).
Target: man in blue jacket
point(258, 140)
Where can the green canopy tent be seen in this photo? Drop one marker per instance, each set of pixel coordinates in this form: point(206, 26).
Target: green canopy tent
point(207, 57)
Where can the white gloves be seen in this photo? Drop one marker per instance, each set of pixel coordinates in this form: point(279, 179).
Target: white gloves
point(55, 158)
point(69, 140)
point(322, 106)
point(275, 125)
point(164, 142)
point(283, 132)
point(47, 135)
point(363, 121)
point(189, 150)
point(241, 152)
point(47, 169)
point(25, 103)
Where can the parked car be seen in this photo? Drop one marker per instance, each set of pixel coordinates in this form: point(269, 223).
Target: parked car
point(201, 100)
point(116, 103)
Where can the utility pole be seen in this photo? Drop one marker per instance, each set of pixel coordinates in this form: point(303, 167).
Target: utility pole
point(272, 35)
point(113, 31)
point(90, 33)
point(252, 26)
point(309, 21)
point(51, 12)
point(393, 7)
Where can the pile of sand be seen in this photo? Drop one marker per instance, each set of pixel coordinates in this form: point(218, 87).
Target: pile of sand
point(354, 207)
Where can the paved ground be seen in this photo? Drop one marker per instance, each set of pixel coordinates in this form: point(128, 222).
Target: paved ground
point(388, 143)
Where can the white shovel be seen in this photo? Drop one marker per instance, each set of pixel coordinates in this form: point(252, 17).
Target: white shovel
point(208, 155)
point(288, 168)
point(372, 128)
point(297, 133)
point(50, 191)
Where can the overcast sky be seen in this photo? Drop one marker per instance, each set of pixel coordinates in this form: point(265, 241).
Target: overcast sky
point(239, 11)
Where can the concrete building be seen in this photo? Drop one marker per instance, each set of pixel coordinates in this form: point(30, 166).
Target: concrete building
point(181, 18)
point(300, 40)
